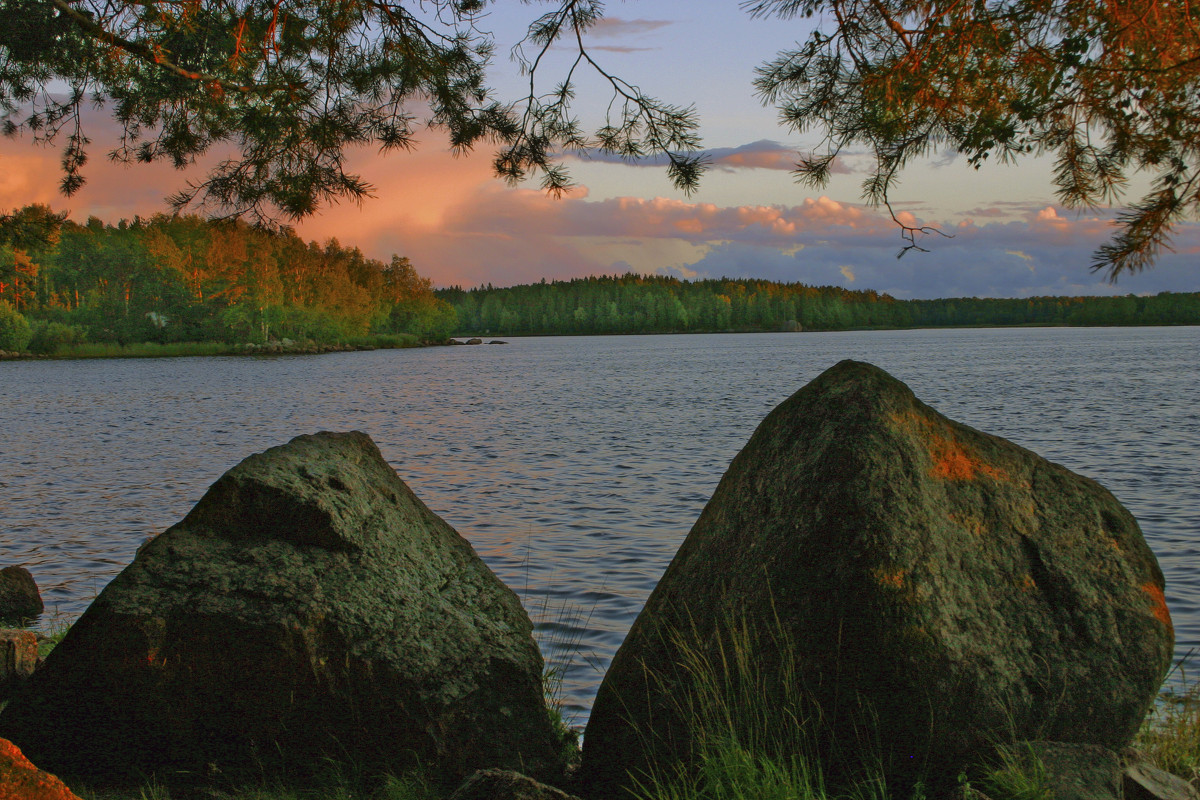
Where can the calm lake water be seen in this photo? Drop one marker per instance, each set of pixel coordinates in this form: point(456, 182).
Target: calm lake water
point(575, 466)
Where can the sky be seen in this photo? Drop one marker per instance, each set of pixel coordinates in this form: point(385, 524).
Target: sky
point(1005, 234)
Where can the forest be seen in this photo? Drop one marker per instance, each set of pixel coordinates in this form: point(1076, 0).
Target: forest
point(184, 279)
point(634, 303)
point(172, 279)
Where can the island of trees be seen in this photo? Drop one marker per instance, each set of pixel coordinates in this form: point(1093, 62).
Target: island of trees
point(98, 289)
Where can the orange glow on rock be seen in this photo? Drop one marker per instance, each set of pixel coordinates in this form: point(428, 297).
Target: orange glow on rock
point(1160, 604)
point(951, 460)
point(894, 578)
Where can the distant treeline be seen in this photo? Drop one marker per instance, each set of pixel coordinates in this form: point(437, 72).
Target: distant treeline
point(634, 303)
point(186, 279)
point(175, 279)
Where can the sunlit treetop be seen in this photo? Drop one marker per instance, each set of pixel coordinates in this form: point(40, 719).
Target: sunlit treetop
point(282, 88)
point(1107, 87)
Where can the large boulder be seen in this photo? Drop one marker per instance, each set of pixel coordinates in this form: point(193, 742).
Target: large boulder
point(309, 607)
point(915, 590)
point(20, 600)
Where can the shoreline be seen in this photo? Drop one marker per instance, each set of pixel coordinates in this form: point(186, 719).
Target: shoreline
point(393, 342)
point(212, 349)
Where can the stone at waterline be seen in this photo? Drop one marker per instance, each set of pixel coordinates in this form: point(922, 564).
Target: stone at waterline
point(20, 600)
point(940, 590)
point(1144, 781)
point(309, 606)
point(18, 659)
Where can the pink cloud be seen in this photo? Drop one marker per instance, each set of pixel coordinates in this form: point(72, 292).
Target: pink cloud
point(462, 226)
point(617, 28)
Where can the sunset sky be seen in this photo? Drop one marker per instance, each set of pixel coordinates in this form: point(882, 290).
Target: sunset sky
point(460, 225)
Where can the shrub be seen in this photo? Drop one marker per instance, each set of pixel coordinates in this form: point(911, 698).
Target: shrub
point(49, 337)
point(14, 328)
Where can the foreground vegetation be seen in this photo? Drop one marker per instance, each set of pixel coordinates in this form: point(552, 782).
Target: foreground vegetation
point(656, 304)
point(191, 285)
point(753, 742)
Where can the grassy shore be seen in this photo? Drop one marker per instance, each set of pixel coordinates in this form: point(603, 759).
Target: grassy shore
point(178, 349)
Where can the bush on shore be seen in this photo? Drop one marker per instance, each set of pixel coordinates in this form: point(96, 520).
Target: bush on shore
point(14, 328)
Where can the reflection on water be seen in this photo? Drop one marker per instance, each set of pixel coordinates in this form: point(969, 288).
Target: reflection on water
point(574, 465)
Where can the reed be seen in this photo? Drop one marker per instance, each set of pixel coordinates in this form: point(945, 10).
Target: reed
point(755, 735)
point(753, 732)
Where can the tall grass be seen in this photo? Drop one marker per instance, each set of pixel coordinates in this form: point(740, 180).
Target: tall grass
point(754, 735)
point(1018, 775)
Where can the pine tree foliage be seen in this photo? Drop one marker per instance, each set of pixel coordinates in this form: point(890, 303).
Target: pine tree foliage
point(1108, 87)
point(287, 86)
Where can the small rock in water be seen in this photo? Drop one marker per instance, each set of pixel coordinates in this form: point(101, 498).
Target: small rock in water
point(20, 600)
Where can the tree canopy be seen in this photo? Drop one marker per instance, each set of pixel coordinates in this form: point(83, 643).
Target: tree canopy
point(291, 84)
point(183, 278)
point(1108, 87)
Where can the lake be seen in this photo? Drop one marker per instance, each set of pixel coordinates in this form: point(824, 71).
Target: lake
point(575, 466)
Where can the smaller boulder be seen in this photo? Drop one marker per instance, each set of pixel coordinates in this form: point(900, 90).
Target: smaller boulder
point(497, 341)
point(20, 600)
point(21, 780)
point(475, 341)
point(310, 607)
point(505, 784)
point(1144, 781)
